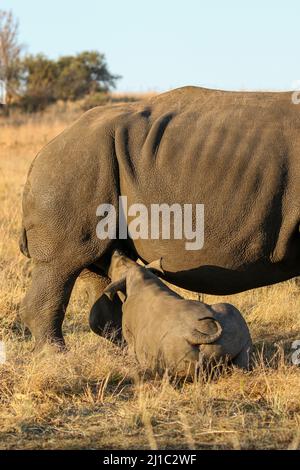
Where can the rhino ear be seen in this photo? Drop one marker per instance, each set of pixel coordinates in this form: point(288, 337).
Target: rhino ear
point(115, 287)
point(156, 266)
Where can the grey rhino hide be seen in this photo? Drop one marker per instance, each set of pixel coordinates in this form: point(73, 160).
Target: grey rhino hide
point(165, 331)
point(237, 153)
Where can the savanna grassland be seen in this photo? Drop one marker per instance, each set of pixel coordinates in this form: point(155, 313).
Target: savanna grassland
point(93, 396)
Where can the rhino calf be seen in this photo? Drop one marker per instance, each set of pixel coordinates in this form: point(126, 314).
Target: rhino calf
point(165, 331)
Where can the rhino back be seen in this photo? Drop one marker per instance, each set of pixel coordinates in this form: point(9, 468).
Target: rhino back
point(236, 153)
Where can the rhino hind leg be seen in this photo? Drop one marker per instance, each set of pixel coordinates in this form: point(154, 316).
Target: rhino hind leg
point(45, 303)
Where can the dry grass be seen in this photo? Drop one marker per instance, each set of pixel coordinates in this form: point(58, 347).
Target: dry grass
point(92, 396)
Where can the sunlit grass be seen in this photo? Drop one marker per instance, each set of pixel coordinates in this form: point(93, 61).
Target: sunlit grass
point(93, 396)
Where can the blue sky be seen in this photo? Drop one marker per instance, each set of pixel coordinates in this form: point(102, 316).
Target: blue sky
point(163, 44)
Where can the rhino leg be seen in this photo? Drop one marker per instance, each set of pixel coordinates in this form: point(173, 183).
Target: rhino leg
point(106, 315)
point(243, 359)
point(45, 303)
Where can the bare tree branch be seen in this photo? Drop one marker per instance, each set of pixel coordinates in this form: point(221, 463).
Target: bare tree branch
point(10, 51)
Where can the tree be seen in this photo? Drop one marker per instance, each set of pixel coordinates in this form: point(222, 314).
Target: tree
point(45, 81)
point(39, 76)
point(83, 74)
point(10, 51)
point(36, 81)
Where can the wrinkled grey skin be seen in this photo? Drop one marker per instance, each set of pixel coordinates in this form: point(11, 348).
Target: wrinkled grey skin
point(236, 153)
point(165, 331)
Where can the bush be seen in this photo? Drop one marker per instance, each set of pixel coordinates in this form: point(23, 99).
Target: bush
point(70, 78)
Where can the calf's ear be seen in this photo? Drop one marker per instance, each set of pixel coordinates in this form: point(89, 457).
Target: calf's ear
point(115, 287)
point(155, 266)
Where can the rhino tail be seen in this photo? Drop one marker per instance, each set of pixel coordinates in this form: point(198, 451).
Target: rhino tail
point(23, 244)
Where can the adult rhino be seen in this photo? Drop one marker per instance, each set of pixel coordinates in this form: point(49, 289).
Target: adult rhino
point(236, 153)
